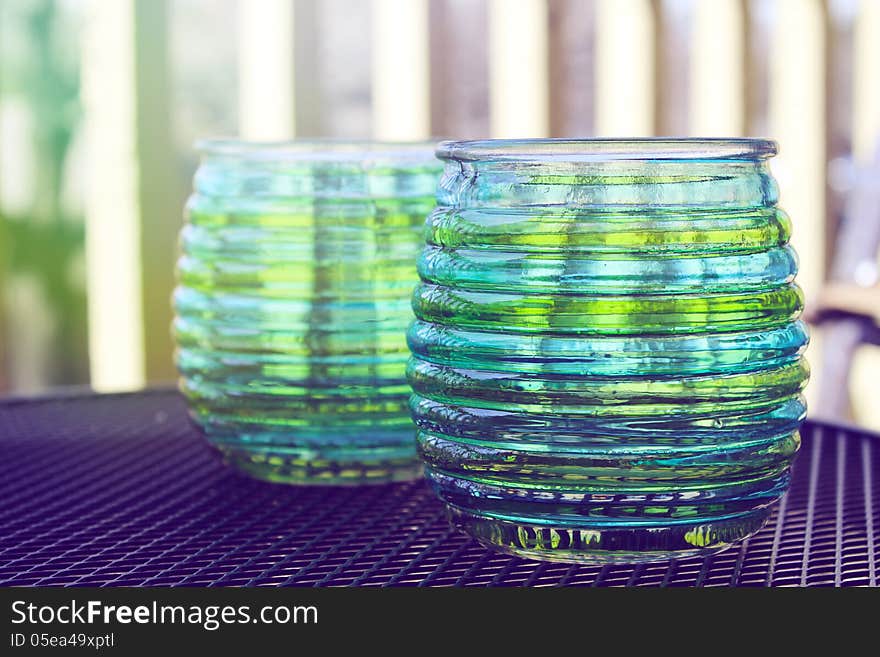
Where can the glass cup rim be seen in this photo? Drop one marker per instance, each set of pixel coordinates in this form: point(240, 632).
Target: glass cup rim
point(329, 150)
point(642, 149)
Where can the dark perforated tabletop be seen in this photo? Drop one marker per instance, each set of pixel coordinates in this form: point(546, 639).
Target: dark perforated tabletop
point(121, 490)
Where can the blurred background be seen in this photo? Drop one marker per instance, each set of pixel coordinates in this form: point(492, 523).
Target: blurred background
point(101, 100)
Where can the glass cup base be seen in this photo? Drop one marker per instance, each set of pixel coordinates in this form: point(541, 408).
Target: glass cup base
point(604, 545)
point(278, 467)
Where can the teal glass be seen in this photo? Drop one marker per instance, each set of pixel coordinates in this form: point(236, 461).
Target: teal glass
point(607, 357)
point(296, 270)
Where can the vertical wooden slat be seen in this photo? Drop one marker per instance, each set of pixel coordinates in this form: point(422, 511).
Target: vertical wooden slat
point(159, 185)
point(759, 34)
point(309, 106)
point(838, 124)
point(797, 120)
point(718, 90)
point(866, 82)
point(459, 69)
point(572, 70)
point(401, 106)
point(518, 68)
point(672, 56)
point(112, 211)
point(266, 73)
point(624, 68)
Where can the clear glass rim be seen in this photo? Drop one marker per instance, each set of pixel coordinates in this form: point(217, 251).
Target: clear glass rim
point(320, 150)
point(608, 149)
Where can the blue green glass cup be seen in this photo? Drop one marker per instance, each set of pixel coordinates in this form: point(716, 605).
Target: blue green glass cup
point(607, 356)
point(294, 282)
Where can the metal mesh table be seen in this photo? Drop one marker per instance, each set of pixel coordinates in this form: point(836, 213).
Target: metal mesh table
point(121, 490)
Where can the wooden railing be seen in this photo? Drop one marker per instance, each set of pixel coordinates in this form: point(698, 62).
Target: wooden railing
point(804, 72)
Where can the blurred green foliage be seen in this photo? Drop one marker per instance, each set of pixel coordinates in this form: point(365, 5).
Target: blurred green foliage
point(39, 67)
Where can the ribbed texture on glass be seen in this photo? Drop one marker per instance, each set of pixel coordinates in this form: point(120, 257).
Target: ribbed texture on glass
point(295, 276)
point(607, 352)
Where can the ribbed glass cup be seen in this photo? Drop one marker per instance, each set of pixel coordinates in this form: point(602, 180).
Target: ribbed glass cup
point(296, 271)
point(607, 357)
